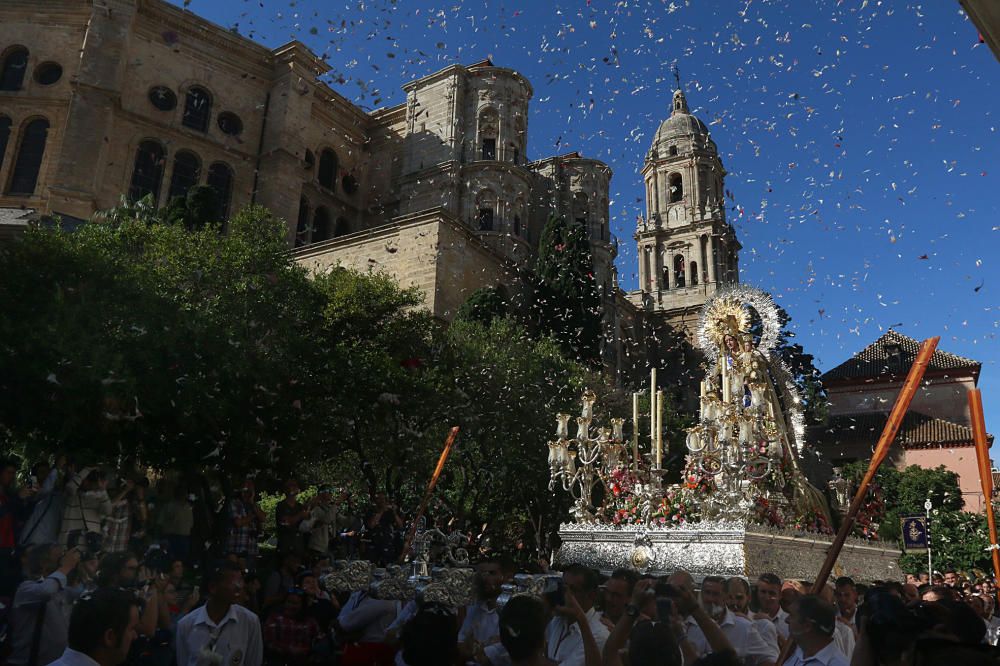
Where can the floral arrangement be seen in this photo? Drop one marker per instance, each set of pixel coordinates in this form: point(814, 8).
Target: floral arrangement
point(624, 506)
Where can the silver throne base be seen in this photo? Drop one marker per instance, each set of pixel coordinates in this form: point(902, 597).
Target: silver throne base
point(720, 549)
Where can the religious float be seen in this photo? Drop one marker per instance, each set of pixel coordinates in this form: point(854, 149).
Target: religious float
point(744, 505)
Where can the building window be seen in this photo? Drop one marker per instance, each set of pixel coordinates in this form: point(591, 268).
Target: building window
point(302, 226)
point(517, 225)
point(694, 273)
point(489, 149)
point(327, 169)
point(675, 187)
point(220, 179)
point(341, 228)
point(515, 155)
point(4, 136)
point(679, 271)
point(197, 109)
point(673, 151)
point(349, 184)
point(486, 219)
point(230, 123)
point(665, 279)
point(147, 174)
point(187, 171)
point(309, 161)
point(48, 73)
point(321, 225)
point(15, 64)
point(162, 98)
point(29, 157)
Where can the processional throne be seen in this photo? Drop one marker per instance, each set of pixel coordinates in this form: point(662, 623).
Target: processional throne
point(744, 505)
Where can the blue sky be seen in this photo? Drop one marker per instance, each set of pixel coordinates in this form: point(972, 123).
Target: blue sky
point(860, 136)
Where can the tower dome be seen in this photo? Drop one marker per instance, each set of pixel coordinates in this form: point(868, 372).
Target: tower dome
point(681, 125)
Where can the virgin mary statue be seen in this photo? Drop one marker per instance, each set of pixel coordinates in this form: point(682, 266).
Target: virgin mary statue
point(745, 448)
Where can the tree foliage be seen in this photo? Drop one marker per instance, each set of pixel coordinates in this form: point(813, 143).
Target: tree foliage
point(144, 339)
point(567, 305)
point(958, 538)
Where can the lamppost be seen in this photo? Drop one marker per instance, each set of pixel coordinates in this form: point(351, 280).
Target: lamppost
point(927, 527)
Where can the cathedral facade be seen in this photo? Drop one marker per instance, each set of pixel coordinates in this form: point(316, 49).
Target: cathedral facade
point(100, 98)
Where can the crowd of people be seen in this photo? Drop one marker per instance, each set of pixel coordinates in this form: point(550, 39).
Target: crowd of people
point(112, 576)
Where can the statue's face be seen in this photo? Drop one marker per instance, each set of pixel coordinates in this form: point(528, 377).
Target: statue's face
point(732, 344)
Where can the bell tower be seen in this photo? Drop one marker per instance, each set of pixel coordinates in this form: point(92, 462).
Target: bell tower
point(686, 248)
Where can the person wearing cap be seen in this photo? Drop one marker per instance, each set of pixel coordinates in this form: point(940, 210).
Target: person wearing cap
point(811, 624)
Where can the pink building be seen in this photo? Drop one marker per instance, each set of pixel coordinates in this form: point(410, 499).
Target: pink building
point(936, 430)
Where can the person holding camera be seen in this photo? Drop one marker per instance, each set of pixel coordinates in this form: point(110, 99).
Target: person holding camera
point(576, 635)
point(41, 606)
point(86, 504)
point(101, 630)
point(245, 520)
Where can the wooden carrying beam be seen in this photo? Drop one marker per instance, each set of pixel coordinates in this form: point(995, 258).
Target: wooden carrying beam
point(410, 533)
point(985, 471)
point(903, 400)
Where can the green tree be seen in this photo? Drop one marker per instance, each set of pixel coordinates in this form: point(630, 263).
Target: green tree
point(958, 538)
point(130, 340)
point(485, 305)
point(567, 305)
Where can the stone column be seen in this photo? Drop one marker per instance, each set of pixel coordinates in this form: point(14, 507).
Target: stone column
point(711, 258)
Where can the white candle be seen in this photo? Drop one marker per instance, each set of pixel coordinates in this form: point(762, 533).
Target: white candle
point(659, 429)
point(652, 410)
point(635, 430)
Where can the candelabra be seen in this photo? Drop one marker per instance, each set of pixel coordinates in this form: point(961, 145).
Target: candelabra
point(580, 463)
point(732, 446)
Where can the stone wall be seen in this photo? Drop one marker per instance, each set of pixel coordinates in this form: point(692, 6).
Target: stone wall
point(429, 251)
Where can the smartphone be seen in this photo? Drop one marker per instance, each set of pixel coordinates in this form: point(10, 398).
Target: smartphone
point(664, 608)
point(555, 591)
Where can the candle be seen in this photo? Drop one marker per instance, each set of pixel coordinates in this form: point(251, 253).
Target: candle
point(725, 383)
point(635, 431)
point(652, 409)
point(659, 429)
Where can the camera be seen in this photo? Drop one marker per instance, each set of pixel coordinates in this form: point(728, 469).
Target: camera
point(554, 591)
point(88, 543)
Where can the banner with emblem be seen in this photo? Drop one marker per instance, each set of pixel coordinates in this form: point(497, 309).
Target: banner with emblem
point(914, 529)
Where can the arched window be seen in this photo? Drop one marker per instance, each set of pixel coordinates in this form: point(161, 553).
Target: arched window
point(673, 151)
point(328, 169)
point(321, 225)
point(302, 226)
point(665, 284)
point(147, 174)
point(197, 109)
point(676, 187)
point(220, 179)
point(341, 227)
point(694, 273)
point(187, 171)
point(4, 137)
point(485, 207)
point(15, 64)
point(489, 131)
point(679, 271)
point(29, 157)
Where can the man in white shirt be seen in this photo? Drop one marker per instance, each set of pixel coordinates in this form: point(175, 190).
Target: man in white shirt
point(480, 632)
point(102, 627)
point(769, 599)
point(741, 633)
point(220, 632)
point(576, 631)
point(846, 594)
point(811, 624)
point(738, 602)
